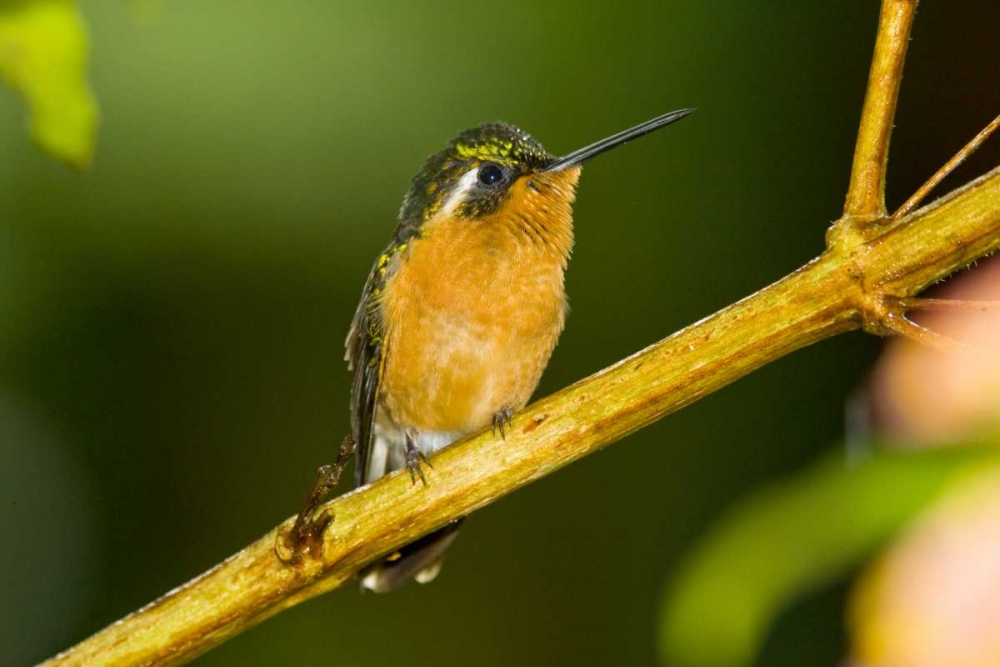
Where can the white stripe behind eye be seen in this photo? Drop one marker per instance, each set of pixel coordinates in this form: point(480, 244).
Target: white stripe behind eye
point(464, 185)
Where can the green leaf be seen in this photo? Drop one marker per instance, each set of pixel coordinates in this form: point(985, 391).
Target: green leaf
point(787, 539)
point(43, 56)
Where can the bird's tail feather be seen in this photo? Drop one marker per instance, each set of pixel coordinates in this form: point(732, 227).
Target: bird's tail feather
point(420, 561)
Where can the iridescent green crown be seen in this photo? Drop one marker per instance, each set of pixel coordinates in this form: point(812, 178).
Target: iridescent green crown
point(491, 142)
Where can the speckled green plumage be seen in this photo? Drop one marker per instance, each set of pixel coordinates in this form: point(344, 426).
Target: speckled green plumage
point(492, 142)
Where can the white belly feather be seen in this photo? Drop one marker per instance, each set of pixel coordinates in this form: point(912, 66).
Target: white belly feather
point(388, 451)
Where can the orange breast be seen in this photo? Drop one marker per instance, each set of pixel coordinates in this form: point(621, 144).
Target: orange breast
point(473, 314)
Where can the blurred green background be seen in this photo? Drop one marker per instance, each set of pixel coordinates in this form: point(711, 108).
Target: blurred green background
point(171, 322)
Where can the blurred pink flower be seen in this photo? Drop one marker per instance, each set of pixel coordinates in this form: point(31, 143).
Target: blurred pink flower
point(933, 600)
point(922, 395)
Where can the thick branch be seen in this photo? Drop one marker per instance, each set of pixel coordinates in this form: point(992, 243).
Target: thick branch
point(846, 287)
point(866, 192)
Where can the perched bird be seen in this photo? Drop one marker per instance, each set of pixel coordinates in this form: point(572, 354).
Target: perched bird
point(462, 310)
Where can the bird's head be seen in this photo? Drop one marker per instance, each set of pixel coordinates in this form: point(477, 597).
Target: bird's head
point(497, 173)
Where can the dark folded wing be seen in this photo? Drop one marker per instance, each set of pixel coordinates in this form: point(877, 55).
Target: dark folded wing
point(365, 355)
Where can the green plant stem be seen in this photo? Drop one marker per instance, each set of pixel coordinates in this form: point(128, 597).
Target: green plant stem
point(866, 192)
point(842, 290)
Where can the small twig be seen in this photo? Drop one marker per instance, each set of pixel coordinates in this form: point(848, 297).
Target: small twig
point(866, 192)
point(954, 305)
point(946, 169)
point(896, 321)
point(902, 326)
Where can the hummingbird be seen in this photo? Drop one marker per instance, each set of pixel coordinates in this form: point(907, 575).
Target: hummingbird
point(462, 310)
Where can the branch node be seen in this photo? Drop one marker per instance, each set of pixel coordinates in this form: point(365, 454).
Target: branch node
point(850, 232)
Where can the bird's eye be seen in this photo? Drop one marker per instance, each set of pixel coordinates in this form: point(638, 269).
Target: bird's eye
point(490, 174)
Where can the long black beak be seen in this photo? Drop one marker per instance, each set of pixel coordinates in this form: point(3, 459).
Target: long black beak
point(596, 148)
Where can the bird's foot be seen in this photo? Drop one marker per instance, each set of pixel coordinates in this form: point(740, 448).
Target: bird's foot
point(414, 459)
point(501, 420)
point(305, 537)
